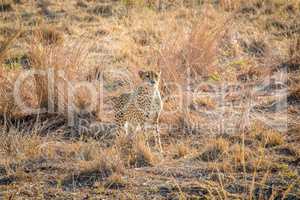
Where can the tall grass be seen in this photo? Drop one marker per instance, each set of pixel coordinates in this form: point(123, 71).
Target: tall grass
point(190, 58)
point(7, 79)
point(6, 44)
point(58, 66)
point(196, 50)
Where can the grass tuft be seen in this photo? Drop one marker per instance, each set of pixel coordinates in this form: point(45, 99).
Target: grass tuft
point(115, 181)
point(135, 151)
point(143, 156)
point(48, 36)
point(215, 150)
point(181, 150)
point(271, 138)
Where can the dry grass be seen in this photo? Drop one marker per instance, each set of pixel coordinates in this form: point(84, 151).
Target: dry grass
point(135, 151)
point(110, 161)
point(271, 139)
point(5, 6)
point(5, 45)
point(182, 150)
point(267, 136)
point(206, 102)
point(7, 80)
point(143, 155)
point(48, 36)
point(196, 50)
point(240, 154)
point(49, 57)
point(189, 57)
point(63, 63)
point(115, 181)
point(14, 145)
point(294, 50)
point(89, 172)
point(215, 150)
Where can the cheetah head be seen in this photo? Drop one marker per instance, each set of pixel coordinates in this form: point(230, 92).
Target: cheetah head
point(150, 77)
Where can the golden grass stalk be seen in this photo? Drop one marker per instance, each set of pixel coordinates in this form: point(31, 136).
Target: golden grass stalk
point(7, 78)
point(5, 46)
point(58, 66)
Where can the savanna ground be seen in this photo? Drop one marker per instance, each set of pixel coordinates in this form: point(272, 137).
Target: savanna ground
point(230, 86)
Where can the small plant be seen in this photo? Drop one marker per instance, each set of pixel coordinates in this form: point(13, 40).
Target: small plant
point(104, 10)
point(5, 7)
point(272, 138)
point(256, 48)
point(18, 61)
point(143, 156)
point(140, 3)
point(135, 151)
point(181, 150)
point(206, 102)
point(6, 44)
point(48, 36)
point(240, 154)
point(99, 169)
point(269, 138)
point(215, 150)
point(115, 181)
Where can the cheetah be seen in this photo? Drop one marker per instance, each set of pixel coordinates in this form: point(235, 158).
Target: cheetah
point(140, 107)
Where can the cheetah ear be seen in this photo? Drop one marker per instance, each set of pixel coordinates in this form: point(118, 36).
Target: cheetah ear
point(141, 73)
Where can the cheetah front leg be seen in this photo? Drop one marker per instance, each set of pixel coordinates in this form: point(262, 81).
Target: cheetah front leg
point(144, 129)
point(126, 127)
point(157, 132)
